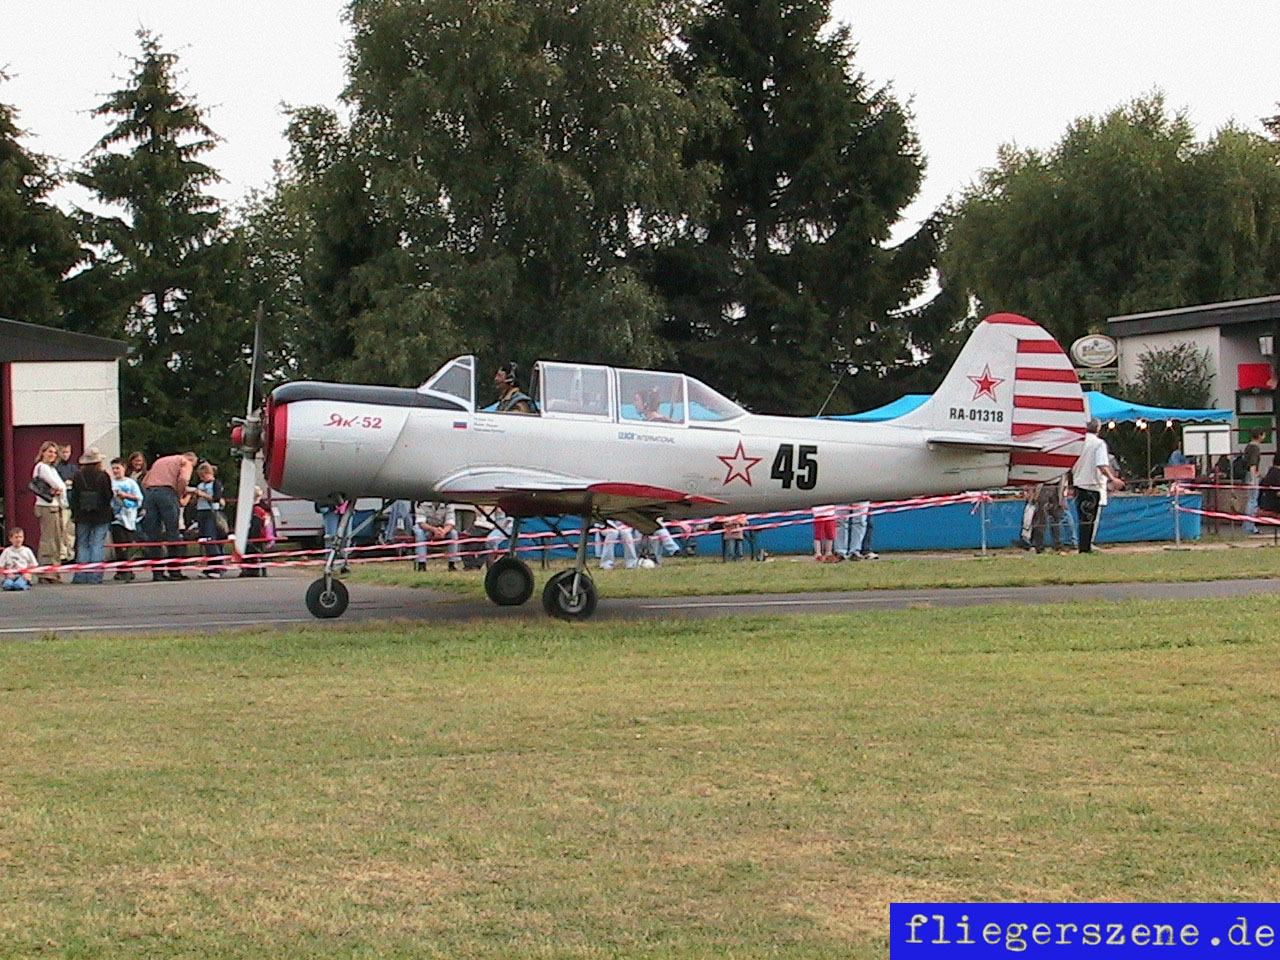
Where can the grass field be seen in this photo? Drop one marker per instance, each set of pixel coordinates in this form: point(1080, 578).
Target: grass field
point(726, 788)
point(703, 576)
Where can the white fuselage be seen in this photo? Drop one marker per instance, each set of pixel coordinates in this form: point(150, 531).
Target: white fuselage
point(752, 464)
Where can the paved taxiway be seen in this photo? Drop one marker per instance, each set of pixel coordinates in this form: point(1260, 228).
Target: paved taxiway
point(199, 606)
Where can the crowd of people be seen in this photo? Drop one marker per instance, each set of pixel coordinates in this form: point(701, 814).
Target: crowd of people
point(89, 510)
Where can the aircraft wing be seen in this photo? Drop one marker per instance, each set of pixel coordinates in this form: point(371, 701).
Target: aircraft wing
point(533, 493)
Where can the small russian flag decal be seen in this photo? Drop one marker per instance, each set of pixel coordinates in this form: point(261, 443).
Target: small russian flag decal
point(459, 424)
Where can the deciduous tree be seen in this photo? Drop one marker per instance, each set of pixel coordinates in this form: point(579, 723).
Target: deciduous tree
point(1126, 213)
point(502, 161)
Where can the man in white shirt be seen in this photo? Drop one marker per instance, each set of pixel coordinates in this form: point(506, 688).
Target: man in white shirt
point(1092, 476)
point(435, 523)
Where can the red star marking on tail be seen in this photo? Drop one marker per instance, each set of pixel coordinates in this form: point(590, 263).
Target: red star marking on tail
point(739, 465)
point(986, 384)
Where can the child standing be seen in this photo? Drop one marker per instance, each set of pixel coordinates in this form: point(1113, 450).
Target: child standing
point(17, 561)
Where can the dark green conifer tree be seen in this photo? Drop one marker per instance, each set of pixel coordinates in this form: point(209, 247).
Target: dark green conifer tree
point(37, 241)
point(162, 272)
point(789, 279)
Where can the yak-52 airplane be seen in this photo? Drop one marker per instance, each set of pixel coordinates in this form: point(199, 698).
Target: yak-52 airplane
point(637, 445)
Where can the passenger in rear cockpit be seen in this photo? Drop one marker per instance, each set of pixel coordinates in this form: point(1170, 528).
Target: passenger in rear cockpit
point(647, 405)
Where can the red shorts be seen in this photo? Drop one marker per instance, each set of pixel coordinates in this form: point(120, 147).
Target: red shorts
point(824, 528)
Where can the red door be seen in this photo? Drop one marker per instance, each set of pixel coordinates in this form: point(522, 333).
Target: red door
point(26, 445)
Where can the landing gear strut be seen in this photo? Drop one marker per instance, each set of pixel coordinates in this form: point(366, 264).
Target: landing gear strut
point(570, 594)
point(327, 597)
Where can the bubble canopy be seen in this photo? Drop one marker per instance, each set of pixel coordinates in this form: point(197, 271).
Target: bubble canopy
point(596, 392)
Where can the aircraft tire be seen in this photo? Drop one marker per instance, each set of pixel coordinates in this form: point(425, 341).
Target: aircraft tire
point(558, 602)
point(508, 582)
point(327, 602)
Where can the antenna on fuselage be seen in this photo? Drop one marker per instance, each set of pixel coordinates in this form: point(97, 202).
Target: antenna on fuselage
point(834, 387)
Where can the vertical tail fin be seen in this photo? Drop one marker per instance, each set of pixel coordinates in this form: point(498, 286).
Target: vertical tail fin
point(1012, 383)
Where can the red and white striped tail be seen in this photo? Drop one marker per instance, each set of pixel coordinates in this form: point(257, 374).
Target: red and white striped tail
point(1012, 383)
point(1048, 407)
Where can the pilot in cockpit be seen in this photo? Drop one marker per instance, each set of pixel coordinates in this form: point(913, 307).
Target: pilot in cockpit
point(511, 399)
point(647, 404)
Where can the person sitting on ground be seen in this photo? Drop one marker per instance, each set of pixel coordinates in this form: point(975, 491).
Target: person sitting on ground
point(17, 561)
point(435, 523)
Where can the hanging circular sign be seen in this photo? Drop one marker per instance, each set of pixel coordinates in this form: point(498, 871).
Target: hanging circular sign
point(1095, 350)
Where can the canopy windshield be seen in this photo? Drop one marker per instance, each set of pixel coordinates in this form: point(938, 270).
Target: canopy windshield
point(707, 406)
point(455, 379)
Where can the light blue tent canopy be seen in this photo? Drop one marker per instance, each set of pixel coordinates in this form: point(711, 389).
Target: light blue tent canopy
point(1101, 405)
point(890, 411)
point(1105, 407)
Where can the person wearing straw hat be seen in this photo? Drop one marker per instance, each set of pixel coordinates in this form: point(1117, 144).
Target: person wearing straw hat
point(90, 497)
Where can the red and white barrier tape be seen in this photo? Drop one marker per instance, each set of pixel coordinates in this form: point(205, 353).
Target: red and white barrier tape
point(319, 557)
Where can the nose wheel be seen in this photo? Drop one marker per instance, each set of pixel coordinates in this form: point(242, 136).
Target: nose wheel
point(327, 598)
point(508, 582)
point(569, 595)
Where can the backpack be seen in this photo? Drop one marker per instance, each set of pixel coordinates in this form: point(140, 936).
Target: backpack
point(88, 501)
point(1237, 467)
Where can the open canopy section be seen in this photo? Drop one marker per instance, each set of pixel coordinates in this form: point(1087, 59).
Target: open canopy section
point(1100, 405)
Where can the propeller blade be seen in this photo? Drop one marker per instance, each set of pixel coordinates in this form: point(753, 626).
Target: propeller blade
point(255, 365)
point(244, 503)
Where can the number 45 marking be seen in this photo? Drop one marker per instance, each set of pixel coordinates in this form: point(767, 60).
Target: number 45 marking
point(802, 469)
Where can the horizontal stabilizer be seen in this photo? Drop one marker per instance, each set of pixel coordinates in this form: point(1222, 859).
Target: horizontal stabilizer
point(987, 444)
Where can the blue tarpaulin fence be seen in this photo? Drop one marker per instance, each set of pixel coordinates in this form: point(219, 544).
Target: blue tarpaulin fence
point(1126, 519)
point(960, 526)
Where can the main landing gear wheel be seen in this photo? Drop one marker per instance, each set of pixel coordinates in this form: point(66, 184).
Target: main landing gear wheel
point(508, 582)
point(560, 599)
point(327, 598)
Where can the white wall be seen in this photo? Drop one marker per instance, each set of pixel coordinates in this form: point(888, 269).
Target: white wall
point(1237, 349)
point(86, 392)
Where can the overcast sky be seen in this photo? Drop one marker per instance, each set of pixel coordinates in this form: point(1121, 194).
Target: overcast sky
point(977, 73)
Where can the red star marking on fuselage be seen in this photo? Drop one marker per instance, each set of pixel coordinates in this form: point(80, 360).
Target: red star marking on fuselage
point(986, 383)
point(739, 465)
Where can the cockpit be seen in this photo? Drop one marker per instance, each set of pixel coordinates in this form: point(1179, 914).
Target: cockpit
point(584, 391)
